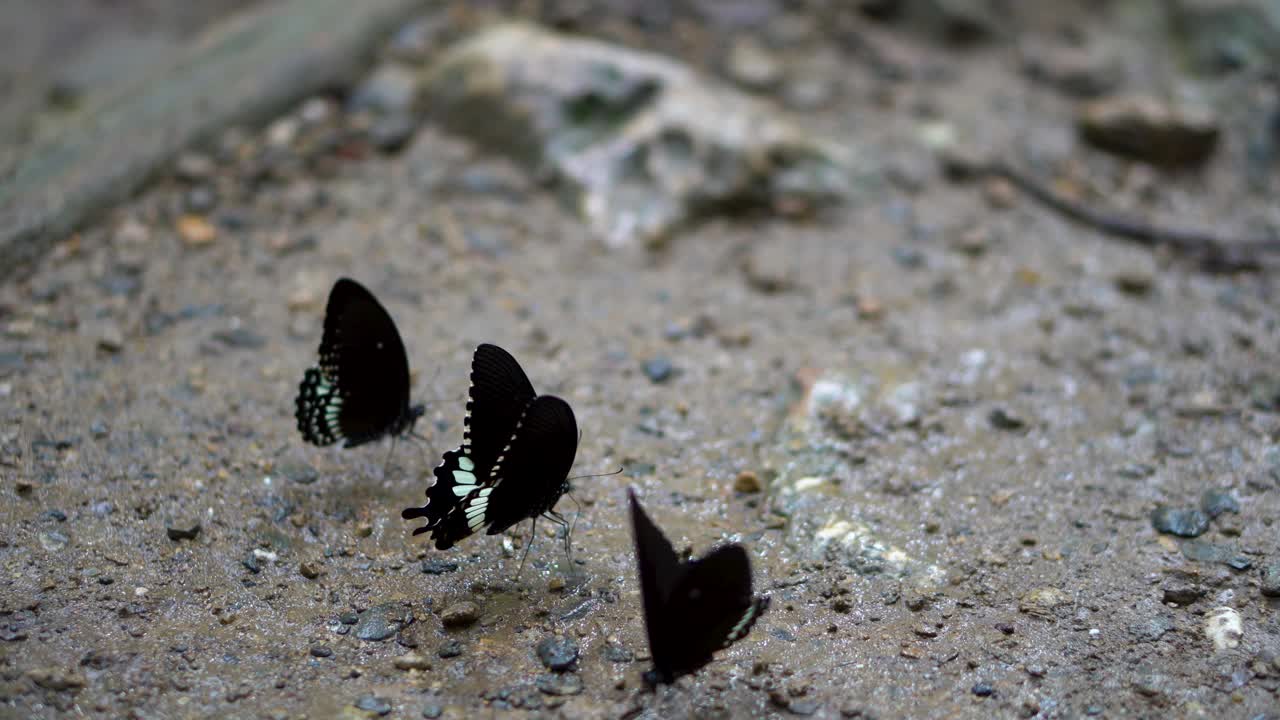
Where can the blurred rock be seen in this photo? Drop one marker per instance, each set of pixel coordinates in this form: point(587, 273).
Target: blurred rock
point(388, 89)
point(1077, 71)
point(1145, 128)
point(752, 66)
point(645, 143)
point(1225, 35)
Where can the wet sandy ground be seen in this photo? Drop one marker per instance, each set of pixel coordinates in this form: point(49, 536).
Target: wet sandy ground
point(148, 385)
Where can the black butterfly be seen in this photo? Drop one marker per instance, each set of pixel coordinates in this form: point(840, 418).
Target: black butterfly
point(360, 390)
point(691, 608)
point(513, 464)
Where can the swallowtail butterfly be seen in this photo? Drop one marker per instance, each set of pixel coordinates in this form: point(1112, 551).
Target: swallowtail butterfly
point(359, 391)
point(691, 608)
point(513, 464)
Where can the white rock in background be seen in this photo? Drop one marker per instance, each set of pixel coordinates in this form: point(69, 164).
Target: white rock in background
point(1224, 628)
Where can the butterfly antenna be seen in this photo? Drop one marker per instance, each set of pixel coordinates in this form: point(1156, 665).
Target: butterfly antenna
point(533, 533)
point(579, 477)
point(577, 513)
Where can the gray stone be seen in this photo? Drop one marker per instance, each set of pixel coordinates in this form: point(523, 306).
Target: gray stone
point(373, 704)
point(1216, 502)
point(388, 89)
point(380, 622)
point(645, 143)
point(558, 654)
point(559, 684)
point(298, 472)
point(1182, 522)
point(1271, 580)
point(122, 132)
point(658, 369)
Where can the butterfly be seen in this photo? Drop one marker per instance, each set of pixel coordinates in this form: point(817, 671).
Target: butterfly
point(514, 461)
point(359, 392)
point(691, 608)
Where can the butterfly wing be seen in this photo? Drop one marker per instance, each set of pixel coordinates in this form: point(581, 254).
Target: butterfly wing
point(529, 475)
point(709, 607)
point(659, 568)
point(500, 392)
point(359, 391)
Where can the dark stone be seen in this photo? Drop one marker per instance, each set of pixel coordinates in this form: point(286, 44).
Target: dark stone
point(1216, 502)
point(251, 563)
point(658, 369)
point(373, 704)
point(558, 654)
point(451, 649)
point(182, 530)
point(559, 684)
point(438, 567)
point(1181, 522)
point(983, 689)
point(349, 617)
point(56, 514)
point(320, 651)
point(432, 711)
point(1182, 593)
point(1002, 419)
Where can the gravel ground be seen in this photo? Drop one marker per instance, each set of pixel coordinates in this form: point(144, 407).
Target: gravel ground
point(1042, 415)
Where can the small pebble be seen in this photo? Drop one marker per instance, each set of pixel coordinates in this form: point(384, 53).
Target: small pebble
point(1181, 592)
point(658, 369)
point(309, 570)
point(1271, 580)
point(747, 482)
point(298, 472)
point(1002, 419)
point(451, 649)
point(559, 684)
point(460, 614)
point(558, 654)
point(52, 540)
point(373, 704)
point(182, 530)
point(1181, 522)
point(56, 514)
point(321, 651)
point(379, 623)
point(1216, 502)
point(411, 661)
point(438, 567)
point(196, 231)
point(983, 689)
point(432, 711)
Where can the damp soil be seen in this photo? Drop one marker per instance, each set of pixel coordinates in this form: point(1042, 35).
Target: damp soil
point(1066, 386)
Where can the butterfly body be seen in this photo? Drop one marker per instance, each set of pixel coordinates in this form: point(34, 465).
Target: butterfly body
point(359, 390)
point(691, 608)
point(514, 461)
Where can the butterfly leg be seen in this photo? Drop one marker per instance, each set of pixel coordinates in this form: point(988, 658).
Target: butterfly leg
point(558, 519)
point(387, 460)
point(533, 533)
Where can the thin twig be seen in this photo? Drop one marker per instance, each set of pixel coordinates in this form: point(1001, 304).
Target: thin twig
point(1214, 252)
